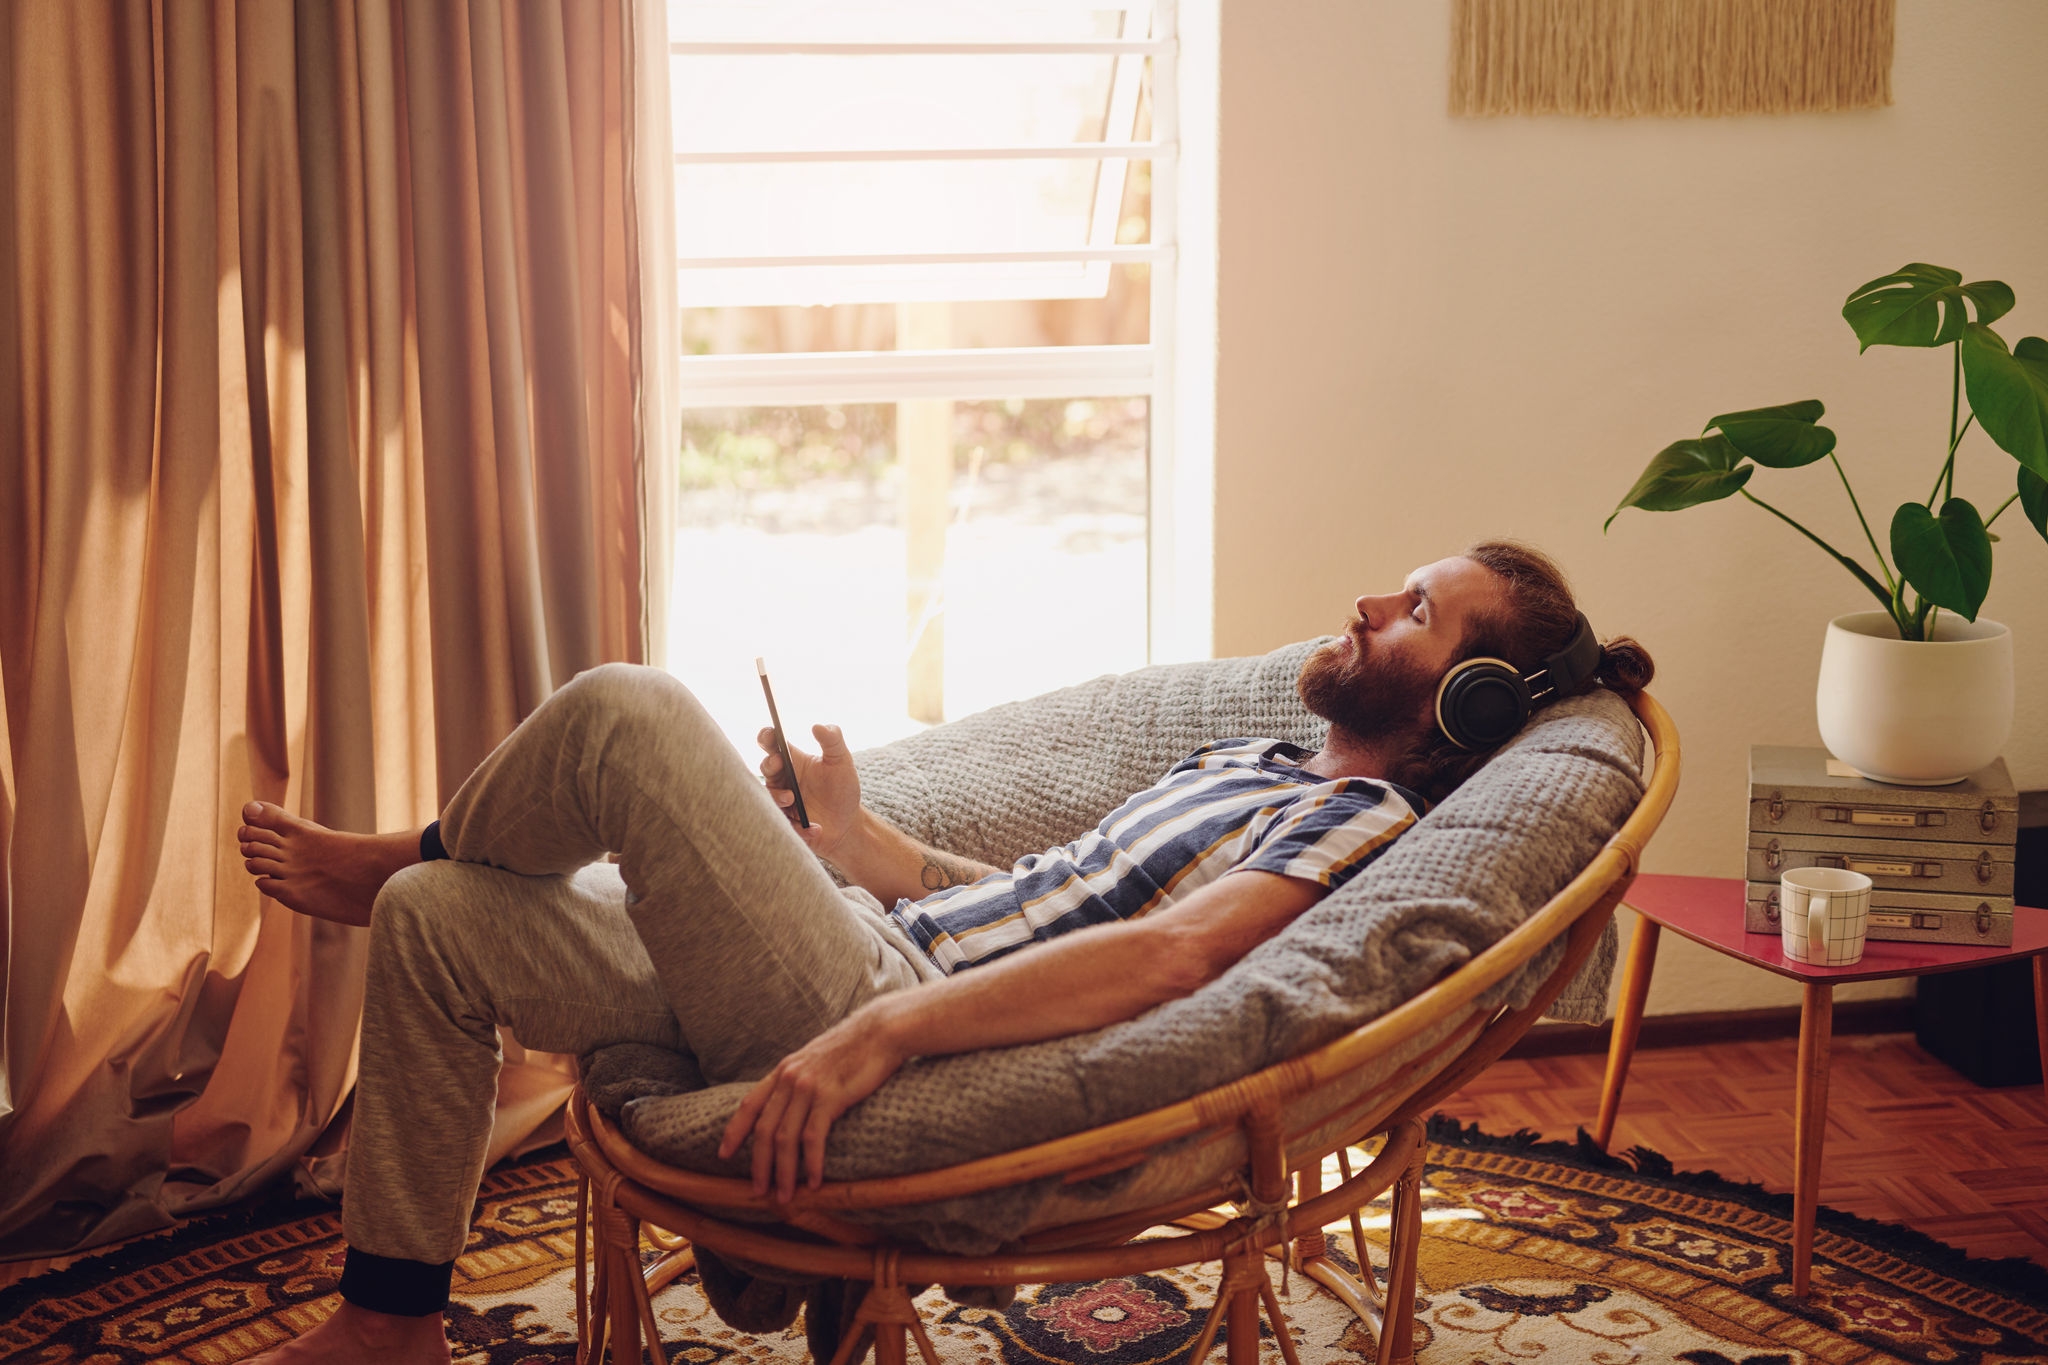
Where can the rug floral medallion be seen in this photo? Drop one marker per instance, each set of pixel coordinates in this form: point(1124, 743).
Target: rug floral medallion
point(1531, 1253)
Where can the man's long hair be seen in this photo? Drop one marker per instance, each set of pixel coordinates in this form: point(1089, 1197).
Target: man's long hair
point(1534, 619)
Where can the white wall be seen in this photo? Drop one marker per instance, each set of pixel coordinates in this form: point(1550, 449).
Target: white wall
point(1433, 330)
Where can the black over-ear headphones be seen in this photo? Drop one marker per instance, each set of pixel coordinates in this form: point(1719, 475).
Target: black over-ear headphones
point(1482, 702)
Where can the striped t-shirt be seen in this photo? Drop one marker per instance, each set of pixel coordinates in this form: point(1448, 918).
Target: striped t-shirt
point(1232, 804)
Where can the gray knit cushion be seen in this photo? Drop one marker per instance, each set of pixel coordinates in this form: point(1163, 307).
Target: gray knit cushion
point(1032, 774)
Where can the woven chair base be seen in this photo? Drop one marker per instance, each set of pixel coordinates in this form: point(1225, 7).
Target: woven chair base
point(614, 1290)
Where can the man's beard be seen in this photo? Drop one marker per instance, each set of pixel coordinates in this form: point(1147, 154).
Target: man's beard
point(1370, 698)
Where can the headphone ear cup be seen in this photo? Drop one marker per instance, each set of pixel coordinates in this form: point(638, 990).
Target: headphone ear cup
point(1482, 703)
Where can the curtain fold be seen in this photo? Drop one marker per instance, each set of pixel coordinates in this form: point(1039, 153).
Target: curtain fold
point(322, 467)
point(653, 344)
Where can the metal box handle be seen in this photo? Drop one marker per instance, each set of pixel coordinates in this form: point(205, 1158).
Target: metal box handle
point(1877, 867)
point(1890, 819)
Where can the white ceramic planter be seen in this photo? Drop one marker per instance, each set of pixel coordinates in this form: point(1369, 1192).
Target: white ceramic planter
point(1922, 713)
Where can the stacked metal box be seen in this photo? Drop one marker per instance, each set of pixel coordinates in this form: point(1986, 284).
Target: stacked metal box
point(1939, 859)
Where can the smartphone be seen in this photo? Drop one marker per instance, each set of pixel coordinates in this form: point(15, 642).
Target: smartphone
point(782, 744)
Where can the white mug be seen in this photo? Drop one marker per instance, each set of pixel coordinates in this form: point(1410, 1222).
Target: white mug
point(1823, 914)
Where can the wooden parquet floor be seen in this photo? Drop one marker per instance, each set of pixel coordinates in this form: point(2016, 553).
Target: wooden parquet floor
point(1908, 1140)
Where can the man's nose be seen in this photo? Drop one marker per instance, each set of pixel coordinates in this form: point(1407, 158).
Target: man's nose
point(1372, 610)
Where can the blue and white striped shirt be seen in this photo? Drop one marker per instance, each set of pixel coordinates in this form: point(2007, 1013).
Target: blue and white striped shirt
point(1232, 804)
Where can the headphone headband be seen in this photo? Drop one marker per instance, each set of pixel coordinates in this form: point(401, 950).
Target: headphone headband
point(1481, 703)
point(1563, 671)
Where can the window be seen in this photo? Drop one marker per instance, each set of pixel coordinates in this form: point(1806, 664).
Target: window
point(941, 445)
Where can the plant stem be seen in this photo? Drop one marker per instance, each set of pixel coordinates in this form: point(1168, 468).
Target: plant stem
point(1940, 474)
point(2001, 510)
point(1948, 467)
point(1934, 494)
point(1862, 574)
point(1955, 398)
point(1921, 611)
point(1882, 566)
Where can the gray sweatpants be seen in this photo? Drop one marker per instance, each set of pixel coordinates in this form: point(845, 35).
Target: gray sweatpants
point(731, 942)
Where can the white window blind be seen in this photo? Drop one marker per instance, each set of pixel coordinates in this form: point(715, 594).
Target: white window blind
point(925, 154)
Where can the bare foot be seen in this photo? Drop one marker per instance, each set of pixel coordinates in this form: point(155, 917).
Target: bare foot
point(356, 1334)
point(326, 873)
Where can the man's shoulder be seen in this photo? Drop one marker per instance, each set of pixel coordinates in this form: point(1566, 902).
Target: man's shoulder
point(1243, 749)
point(1271, 757)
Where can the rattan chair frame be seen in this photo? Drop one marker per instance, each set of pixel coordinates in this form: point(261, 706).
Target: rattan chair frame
point(1280, 1204)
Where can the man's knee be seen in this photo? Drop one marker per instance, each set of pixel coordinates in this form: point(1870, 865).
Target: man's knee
point(626, 690)
point(431, 930)
point(625, 695)
point(419, 907)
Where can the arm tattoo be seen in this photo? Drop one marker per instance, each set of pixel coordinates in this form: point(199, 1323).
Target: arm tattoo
point(942, 870)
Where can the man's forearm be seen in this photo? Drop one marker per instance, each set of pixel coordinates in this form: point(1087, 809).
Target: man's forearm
point(1075, 983)
point(1080, 981)
point(1095, 976)
point(1058, 989)
point(883, 860)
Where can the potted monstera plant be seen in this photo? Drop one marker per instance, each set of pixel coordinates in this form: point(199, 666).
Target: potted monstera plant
point(1921, 690)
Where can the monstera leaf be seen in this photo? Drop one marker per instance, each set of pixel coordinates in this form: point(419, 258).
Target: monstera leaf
point(2009, 393)
point(1921, 305)
point(1685, 474)
point(2034, 499)
point(1782, 437)
point(1947, 558)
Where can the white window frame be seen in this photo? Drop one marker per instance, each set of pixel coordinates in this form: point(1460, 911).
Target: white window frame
point(1175, 371)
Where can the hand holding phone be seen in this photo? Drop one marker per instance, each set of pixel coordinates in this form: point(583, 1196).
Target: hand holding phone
point(782, 744)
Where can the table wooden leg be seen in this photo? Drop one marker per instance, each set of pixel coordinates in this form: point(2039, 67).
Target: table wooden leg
point(2041, 1013)
point(1635, 989)
point(1810, 1123)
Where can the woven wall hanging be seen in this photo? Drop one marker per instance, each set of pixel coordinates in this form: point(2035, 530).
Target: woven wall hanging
point(1686, 57)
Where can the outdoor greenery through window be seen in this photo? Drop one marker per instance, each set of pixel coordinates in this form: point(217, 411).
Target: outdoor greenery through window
point(918, 270)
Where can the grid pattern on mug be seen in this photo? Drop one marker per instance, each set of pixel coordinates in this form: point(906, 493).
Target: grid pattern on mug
point(1845, 923)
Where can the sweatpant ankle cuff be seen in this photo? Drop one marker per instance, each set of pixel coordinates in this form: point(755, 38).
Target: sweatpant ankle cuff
point(432, 850)
point(394, 1285)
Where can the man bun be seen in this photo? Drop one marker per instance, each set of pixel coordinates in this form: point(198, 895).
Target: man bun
point(1625, 666)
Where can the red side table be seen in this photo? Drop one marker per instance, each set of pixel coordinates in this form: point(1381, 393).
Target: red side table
point(1709, 910)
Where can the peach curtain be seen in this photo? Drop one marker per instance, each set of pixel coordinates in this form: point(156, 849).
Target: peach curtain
point(325, 433)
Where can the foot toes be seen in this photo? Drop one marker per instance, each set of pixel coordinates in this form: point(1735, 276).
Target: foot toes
point(264, 867)
point(263, 815)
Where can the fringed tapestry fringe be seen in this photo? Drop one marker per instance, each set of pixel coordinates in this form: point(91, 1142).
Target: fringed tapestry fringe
point(1671, 57)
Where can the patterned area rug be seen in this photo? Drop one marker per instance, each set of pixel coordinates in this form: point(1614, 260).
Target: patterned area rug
point(1533, 1251)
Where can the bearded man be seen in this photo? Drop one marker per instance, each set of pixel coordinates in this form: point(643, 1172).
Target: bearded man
point(735, 945)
